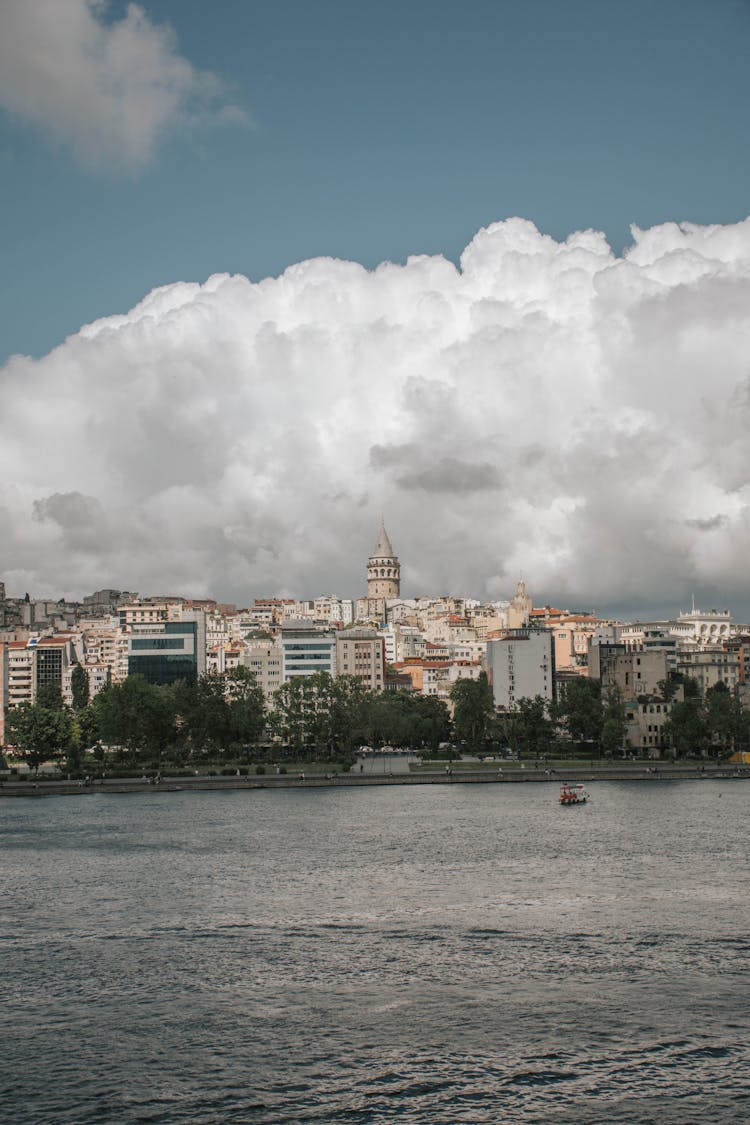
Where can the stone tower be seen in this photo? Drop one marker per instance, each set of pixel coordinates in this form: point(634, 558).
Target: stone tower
point(383, 569)
point(520, 607)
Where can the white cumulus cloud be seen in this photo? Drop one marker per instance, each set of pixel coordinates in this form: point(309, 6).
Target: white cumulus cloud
point(545, 408)
point(108, 89)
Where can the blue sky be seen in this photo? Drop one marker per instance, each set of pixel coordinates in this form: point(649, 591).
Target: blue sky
point(376, 131)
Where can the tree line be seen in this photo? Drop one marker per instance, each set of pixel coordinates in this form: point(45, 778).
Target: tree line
point(328, 718)
point(313, 717)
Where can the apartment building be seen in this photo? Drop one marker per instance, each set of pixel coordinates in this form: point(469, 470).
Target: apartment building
point(646, 719)
point(634, 672)
point(709, 667)
point(361, 653)
point(264, 659)
point(520, 665)
point(306, 650)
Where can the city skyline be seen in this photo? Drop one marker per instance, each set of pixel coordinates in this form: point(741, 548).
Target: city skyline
point(324, 294)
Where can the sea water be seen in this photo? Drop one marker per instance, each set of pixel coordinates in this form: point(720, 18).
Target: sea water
point(449, 953)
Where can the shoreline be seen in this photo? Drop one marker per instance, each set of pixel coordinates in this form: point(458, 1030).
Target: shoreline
point(43, 787)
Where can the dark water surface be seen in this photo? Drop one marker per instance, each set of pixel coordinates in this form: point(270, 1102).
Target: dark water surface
point(428, 954)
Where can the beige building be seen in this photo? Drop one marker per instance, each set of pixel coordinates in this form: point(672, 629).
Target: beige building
point(333, 610)
point(263, 658)
point(223, 657)
point(437, 677)
point(571, 639)
point(148, 613)
point(646, 719)
point(361, 653)
point(488, 619)
point(710, 667)
point(634, 673)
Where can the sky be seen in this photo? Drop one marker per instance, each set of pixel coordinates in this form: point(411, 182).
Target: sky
point(271, 270)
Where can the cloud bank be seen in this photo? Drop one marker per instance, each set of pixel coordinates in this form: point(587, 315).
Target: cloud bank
point(545, 408)
point(109, 90)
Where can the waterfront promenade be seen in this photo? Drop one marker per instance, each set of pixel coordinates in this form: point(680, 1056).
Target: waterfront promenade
point(510, 774)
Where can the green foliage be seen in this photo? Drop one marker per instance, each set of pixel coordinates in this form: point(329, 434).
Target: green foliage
point(687, 727)
point(136, 715)
point(530, 729)
point(221, 709)
point(204, 712)
point(580, 709)
point(79, 686)
point(247, 705)
point(50, 696)
point(668, 688)
point(289, 713)
point(327, 717)
point(690, 687)
point(473, 709)
point(614, 725)
point(717, 724)
point(86, 727)
point(406, 719)
point(40, 732)
point(321, 714)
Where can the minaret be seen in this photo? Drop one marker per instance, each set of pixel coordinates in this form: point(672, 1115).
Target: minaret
point(383, 569)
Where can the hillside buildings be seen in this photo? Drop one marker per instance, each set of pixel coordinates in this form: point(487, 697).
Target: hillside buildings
point(387, 640)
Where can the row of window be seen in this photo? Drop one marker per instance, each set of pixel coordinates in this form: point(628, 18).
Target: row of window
point(144, 643)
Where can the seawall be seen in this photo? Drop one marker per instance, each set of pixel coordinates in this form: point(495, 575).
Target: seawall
point(658, 773)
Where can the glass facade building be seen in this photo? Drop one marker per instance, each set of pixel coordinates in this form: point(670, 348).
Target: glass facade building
point(306, 650)
point(164, 652)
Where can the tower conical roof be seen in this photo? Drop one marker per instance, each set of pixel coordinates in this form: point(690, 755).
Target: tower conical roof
point(383, 548)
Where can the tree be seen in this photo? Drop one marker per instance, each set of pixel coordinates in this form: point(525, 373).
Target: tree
point(247, 705)
point(404, 718)
point(86, 727)
point(349, 721)
point(473, 708)
point(722, 713)
point(79, 686)
point(50, 696)
point(290, 716)
point(136, 715)
point(531, 729)
point(40, 732)
point(580, 708)
point(687, 727)
point(614, 724)
point(204, 711)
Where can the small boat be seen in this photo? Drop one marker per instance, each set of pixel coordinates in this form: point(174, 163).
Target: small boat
point(572, 794)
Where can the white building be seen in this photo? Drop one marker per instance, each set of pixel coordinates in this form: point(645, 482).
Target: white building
point(306, 650)
point(520, 666)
